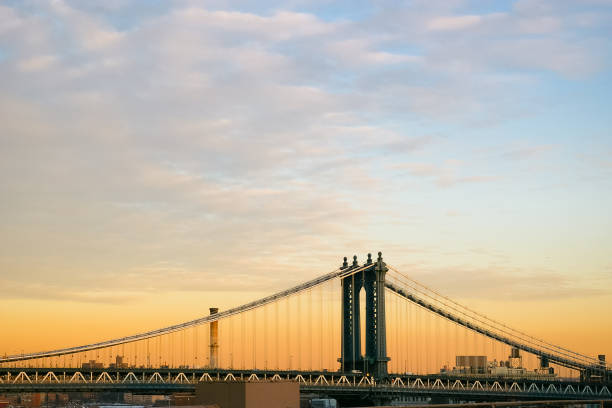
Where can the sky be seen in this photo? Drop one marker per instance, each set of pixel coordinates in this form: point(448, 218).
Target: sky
point(158, 158)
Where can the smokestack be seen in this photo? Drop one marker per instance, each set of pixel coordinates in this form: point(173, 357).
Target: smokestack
point(214, 340)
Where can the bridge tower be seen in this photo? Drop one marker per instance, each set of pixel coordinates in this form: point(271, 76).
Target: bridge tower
point(214, 340)
point(372, 280)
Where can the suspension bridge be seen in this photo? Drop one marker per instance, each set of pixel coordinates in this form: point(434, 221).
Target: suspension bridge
point(366, 331)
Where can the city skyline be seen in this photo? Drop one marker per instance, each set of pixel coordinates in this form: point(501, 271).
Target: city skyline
point(157, 161)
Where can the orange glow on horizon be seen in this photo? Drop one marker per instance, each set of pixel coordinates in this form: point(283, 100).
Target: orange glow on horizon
point(271, 337)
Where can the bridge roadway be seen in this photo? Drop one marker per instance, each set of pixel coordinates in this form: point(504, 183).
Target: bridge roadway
point(356, 385)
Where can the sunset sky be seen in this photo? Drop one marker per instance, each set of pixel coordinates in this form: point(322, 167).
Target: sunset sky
point(158, 158)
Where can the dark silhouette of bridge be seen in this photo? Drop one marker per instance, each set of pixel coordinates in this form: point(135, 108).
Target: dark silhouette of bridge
point(275, 342)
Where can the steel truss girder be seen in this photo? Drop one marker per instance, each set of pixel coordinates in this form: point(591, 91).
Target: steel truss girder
point(179, 380)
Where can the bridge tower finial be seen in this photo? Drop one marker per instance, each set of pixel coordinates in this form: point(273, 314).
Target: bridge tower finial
point(355, 263)
point(345, 263)
point(369, 259)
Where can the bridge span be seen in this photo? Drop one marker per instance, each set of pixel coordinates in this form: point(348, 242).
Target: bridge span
point(362, 329)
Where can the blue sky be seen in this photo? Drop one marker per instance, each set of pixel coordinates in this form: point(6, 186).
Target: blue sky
point(161, 141)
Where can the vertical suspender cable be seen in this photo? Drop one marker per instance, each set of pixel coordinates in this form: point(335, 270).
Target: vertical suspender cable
point(492, 354)
point(254, 338)
point(299, 321)
point(233, 340)
point(456, 342)
point(277, 333)
point(330, 332)
point(395, 323)
point(473, 347)
point(242, 342)
point(398, 323)
point(287, 332)
point(404, 335)
point(438, 344)
point(415, 342)
point(311, 325)
point(196, 333)
point(320, 318)
point(421, 340)
point(447, 352)
point(419, 343)
point(265, 310)
point(466, 350)
point(424, 341)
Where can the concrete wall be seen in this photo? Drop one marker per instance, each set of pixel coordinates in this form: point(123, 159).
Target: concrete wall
point(249, 394)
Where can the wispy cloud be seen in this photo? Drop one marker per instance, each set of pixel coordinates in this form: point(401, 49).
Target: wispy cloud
point(446, 175)
point(157, 144)
point(503, 283)
point(37, 63)
point(453, 22)
point(527, 152)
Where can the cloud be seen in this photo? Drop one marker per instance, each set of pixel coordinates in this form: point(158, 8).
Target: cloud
point(49, 291)
point(454, 213)
point(452, 23)
point(408, 145)
point(193, 138)
point(505, 283)
point(446, 175)
point(281, 26)
point(358, 52)
point(528, 152)
point(37, 63)
point(539, 25)
point(9, 20)
point(89, 32)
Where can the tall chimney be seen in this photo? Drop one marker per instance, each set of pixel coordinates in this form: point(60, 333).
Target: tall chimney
point(214, 340)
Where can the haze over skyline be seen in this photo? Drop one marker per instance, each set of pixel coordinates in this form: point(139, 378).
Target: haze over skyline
point(158, 160)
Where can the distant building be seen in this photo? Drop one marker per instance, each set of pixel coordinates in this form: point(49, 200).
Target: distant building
point(471, 364)
point(513, 367)
point(92, 365)
point(118, 363)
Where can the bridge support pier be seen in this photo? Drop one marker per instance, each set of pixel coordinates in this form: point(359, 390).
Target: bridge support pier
point(376, 331)
point(371, 278)
point(351, 321)
point(214, 341)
